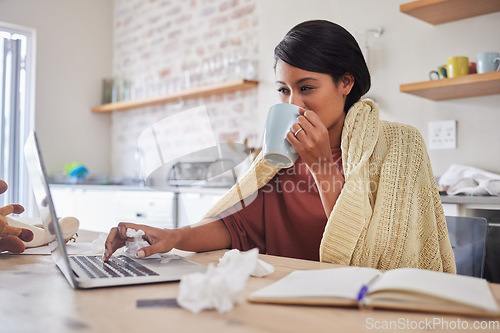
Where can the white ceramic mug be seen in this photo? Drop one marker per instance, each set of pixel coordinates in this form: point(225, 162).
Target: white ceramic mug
point(276, 148)
point(488, 62)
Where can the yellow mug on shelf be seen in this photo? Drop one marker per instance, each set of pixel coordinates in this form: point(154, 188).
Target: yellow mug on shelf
point(457, 66)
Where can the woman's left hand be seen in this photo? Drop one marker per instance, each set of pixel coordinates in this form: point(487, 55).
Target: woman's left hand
point(309, 137)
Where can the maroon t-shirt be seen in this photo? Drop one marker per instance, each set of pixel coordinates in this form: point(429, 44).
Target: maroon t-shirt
point(286, 218)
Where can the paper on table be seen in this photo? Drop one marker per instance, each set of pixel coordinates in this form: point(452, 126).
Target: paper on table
point(333, 282)
point(223, 285)
point(398, 289)
point(71, 247)
point(458, 288)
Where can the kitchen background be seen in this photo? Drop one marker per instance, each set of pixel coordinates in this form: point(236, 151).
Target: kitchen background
point(168, 45)
point(164, 45)
point(79, 43)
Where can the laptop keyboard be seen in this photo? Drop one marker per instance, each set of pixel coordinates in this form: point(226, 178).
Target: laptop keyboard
point(120, 266)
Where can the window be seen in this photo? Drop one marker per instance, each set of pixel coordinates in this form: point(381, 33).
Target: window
point(16, 109)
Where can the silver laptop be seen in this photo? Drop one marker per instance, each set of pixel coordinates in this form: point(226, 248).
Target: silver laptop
point(90, 271)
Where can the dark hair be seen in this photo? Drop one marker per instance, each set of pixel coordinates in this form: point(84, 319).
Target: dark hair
point(325, 47)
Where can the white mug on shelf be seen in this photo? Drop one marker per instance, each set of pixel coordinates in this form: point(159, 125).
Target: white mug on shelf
point(488, 62)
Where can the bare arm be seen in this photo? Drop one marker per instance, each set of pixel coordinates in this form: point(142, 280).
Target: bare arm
point(329, 182)
point(206, 235)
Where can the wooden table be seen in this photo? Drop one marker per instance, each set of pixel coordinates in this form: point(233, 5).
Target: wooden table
point(35, 297)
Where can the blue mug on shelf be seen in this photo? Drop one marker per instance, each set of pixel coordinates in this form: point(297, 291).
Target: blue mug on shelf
point(488, 62)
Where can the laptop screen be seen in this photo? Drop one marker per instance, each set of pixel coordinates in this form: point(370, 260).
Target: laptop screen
point(41, 191)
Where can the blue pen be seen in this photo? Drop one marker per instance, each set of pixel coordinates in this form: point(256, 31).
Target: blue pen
point(364, 288)
point(362, 292)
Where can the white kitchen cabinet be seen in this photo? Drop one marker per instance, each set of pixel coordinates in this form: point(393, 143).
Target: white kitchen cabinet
point(146, 207)
point(100, 208)
point(193, 206)
point(463, 205)
point(94, 208)
point(451, 209)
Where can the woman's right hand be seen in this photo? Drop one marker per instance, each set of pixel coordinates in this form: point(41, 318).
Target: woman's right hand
point(160, 240)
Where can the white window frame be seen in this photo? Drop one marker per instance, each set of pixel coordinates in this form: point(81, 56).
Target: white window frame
point(24, 191)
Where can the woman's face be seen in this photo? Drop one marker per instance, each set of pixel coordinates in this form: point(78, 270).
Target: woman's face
point(314, 91)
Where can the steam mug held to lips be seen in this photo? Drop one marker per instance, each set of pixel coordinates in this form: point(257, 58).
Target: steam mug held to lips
point(488, 62)
point(276, 149)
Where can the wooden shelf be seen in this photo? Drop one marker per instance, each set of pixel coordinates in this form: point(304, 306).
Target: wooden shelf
point(207, 90)
point(471, 85)
point(442, 11)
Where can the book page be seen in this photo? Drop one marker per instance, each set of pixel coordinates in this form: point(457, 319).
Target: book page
point(344, 282)
point(457, 288)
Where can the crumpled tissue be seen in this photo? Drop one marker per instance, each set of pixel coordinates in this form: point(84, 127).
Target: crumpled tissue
point(132, 246)
point(98, 245)
point(221, 286)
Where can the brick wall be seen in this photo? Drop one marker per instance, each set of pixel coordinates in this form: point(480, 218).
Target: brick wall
point(166, 45)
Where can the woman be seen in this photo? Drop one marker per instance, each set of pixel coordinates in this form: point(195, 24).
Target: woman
point(361, 193)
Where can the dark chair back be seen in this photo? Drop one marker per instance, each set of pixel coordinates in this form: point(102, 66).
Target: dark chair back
point(468, 239)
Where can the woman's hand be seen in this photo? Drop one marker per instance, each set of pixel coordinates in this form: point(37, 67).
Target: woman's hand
point(309, 137)
point(206, 235)
point(161, 240)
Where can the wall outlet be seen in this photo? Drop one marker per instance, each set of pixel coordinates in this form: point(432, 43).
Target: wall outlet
point(443, 134)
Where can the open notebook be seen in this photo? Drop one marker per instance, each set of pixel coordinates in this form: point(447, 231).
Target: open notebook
point(399, 289)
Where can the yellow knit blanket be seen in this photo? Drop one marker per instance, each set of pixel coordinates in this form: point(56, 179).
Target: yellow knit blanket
point(389, 213)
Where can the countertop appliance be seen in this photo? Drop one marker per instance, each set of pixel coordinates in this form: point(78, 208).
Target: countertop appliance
point(215, 167)
point(217, 173)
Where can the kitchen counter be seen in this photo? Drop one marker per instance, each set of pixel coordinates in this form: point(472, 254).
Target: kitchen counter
point(174, 189)
point(101, 207)
point(466, 205)
point(468, 199)
point(445, 199)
